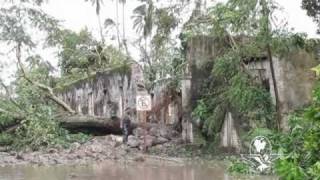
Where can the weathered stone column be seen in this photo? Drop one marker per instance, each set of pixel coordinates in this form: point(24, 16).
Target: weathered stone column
point(187, 130)
point(230, 139)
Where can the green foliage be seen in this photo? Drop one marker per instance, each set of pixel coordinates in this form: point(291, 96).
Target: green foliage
point(38, 130)
point(15, 20)
point(166, 22)
point(5, 119)
point(289, 170)
point(238, 166)
point(82, 55)
point(79, 56)
point(301, 144)
point(233, 89)
point(259, 132)
point(162, 60)
point(314, 171)
point(246, 29)
point(6, 139)
point(39, 127)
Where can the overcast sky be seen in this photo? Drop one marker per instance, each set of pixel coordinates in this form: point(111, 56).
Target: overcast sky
point(77, 14)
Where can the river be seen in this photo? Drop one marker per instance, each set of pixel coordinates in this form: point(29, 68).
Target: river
point(123, 171)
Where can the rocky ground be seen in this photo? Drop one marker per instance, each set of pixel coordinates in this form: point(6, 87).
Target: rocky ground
point(160, 141)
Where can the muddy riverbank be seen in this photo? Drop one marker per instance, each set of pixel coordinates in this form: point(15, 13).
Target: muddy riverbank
point(98, 149)
point(161, 142)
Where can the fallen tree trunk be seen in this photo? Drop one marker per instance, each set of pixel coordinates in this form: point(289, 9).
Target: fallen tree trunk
point(92, 124)
point(16, 119)
point(95, 125)
point(9, 127)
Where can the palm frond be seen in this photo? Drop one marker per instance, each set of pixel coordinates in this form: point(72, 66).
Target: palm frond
point(140, 10)
point(109, 22)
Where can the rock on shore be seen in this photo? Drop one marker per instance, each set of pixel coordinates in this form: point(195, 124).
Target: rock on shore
point(97, 149)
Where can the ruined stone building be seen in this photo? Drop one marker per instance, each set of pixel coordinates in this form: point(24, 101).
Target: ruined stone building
point(293, 74)
point(109, 94)
point(295, 80)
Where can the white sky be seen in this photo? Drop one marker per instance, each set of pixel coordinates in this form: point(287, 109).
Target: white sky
point(77, 14)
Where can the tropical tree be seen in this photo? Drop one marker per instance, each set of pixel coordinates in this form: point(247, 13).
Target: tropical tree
point(155, 24)
point(15, 22)
point(98, 4)
point(252, 20)
point(143, 19)
point(82, 55)
point(30, 101)
point(124, 40)
point(143, 24)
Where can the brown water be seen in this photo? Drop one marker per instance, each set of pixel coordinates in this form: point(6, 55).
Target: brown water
point(122, 171)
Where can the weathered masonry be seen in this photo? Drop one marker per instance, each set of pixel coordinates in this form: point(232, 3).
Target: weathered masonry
point(295, 80)
point(293, 74)
point(109, 94)
point(106, 94)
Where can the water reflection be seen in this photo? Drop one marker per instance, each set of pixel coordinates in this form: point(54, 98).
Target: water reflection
point(121, 171)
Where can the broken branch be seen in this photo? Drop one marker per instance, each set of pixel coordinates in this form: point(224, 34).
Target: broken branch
point(43, 87)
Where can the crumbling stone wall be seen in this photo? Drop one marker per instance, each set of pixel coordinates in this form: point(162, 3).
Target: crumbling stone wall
point(108, 94)
point(230, 140)
point(200, 52)
point(294, 78)
point(166, 104)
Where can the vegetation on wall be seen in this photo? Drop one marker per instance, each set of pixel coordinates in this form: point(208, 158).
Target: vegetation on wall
point(246, 30)
point(231, 89)
point(81, 56)
point(235, 89)
point(300, 146)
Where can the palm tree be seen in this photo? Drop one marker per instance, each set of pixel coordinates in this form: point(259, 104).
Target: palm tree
point(97, 4)
point(117, 23)
point(143, 19)
point(123, 2)
point(143, 24)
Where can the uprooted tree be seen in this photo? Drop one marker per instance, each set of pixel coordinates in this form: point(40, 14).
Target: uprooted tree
point(30, 109)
